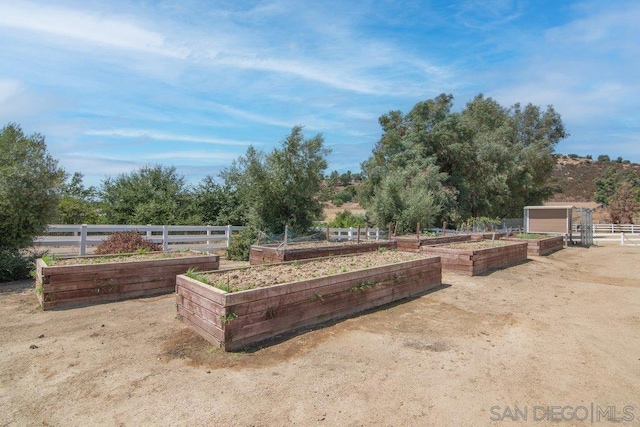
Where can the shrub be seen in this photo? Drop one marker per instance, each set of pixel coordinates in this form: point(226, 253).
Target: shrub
point(14, 265)
point(240, 246)
point(589, 157)
point(604, 158)
point(126, 242)
point(346, 219)
point(573, 156)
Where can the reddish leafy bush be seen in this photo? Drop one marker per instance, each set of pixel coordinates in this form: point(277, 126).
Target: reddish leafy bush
point(126, 242)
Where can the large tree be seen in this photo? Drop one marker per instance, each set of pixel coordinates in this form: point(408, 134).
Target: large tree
point(150, 195)
point(30, 184)
point(78, 204)
point(484, 161)
point(281, 188)
point(217, 204)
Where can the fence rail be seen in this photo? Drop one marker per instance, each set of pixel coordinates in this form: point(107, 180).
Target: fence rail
point(616, 228)
point(206, 237)
point(346, 234)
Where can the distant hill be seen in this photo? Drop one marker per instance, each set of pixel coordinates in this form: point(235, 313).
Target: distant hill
point(573, 177)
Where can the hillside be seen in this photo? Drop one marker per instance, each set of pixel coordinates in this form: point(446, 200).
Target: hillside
point(573, 177)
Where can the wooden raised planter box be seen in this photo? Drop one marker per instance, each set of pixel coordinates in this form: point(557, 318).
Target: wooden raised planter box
point(273, 254)
point(234, 320)
point(81, 284)
point(413, 243)
point(541, 246)
point(473, 261)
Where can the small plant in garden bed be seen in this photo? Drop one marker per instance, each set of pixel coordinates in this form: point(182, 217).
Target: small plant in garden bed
point(126, 242)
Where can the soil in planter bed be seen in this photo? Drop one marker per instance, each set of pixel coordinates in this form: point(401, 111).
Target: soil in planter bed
point(480, 244)
point(103, 259)
point(323, 243)
point(269, 275)
point(530, 236)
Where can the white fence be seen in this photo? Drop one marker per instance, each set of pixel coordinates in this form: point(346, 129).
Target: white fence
point(616, 228)
point(623, 234)
point(342, 234)
point(206, 237)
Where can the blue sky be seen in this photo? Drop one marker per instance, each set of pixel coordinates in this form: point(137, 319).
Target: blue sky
point(115, 85)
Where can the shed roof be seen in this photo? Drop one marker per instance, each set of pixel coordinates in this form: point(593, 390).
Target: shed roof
point(550, 207)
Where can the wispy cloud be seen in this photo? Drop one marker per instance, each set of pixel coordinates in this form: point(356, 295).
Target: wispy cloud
point(149, 134)
point(91, 28)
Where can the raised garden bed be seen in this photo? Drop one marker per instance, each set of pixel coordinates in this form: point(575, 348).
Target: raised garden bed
point(539, 244)
point(94, 279)
point(474, 258)
point(233, 320)
point(413, 243)
point(272, 254)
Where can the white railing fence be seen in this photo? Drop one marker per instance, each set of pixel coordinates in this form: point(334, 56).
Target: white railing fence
point(616, 228)
point(172, 237)
point(347, 234)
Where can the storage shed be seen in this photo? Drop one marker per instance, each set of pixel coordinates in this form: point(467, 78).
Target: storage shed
point(568, 221)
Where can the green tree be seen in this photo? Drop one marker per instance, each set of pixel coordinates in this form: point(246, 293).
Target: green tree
point(489, 161)
point(346, 219)
point(217, 204)
point(30, 185)
point(79, 205)
point(281, 188)
point(150, 195)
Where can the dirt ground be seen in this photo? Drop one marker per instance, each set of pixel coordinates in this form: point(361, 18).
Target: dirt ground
point(561, 330)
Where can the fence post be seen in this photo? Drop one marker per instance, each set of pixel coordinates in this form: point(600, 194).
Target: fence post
point(165, 238)
point(350, 233)
point(622, 239)
point(83, 239)
point(227, 234)
point(208, 234)
point(377, 233)
point(149, 232)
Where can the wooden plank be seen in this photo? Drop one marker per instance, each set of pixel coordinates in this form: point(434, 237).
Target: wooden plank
point(208, 324)
point(283, 304)
point(206, 291)
point(96, 293)
point(341, 312)
point(348, 303)
point(184, 294)
point(208, 332)
point(99, 282)
point(87, 274)
point(97, 299)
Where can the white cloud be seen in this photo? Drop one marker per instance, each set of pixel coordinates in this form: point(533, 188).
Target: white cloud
point(91, 28)
point(150, 134)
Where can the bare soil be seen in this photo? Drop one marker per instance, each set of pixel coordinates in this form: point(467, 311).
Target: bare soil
point(102, 259)
point(269, 275)
point(561, 330)
point(479, 244)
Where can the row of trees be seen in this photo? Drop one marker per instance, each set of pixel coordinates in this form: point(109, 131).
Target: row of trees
point(430, 164)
